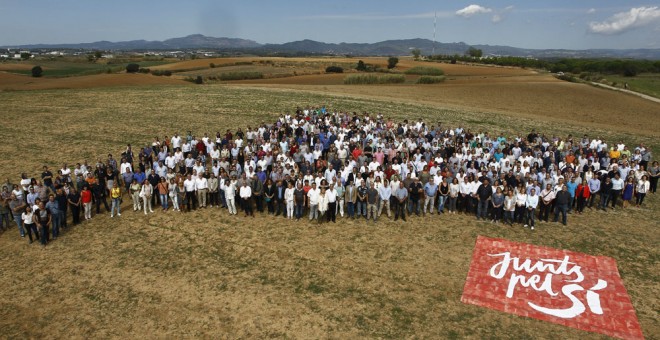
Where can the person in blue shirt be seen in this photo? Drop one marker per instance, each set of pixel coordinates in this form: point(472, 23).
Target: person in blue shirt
point(430, 191)
point(572, 187)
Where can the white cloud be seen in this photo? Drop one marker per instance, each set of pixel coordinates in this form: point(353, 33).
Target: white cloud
point(591, 11)
point(472, 10)
point(499, 15)
point(625, 21)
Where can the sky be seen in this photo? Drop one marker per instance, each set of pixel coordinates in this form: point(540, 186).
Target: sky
point(582, 24)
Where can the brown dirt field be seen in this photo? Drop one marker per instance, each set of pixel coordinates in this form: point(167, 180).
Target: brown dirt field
point(532, 96)
point(207, 274)
point(404, 64)
point(10, 81)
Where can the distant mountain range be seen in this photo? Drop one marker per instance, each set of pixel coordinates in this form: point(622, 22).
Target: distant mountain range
point(383, 48)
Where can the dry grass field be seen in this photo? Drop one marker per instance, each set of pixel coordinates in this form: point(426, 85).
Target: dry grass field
point(208, 274)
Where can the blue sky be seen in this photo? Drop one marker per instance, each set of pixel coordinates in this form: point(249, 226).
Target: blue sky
point(529, 24)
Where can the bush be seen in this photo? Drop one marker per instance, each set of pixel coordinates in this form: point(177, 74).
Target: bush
point(161, 73)
point(241, 75)
point(425, 71)
point(144, 70)
point(37, 71)
point(334, 69)
point(430, 79)
point(132, 68)
point(567, 77)
point(212, 65)
point(199, 80)
point(356, 79)
point(361, 66)
point(391, 62)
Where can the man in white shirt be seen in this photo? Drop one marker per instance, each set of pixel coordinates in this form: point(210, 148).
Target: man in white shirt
point(202, 186)
point(190, 187)
point(531, 203)
point(331, 195)
point(125, 165)
point(176, 141)
point(246, 194)
point(330, 174)
point(229, 187)
point(313, 196)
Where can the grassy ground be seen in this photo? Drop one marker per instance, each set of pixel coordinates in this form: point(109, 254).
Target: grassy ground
point(207, 273)
point(79, 68)
point(644, 83)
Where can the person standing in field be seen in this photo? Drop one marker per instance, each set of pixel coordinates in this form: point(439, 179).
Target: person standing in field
point(42, 217)
point(323, 204)
point(246, 195)
point(163, 190)
point(509, 207)
point(385, 194)
point(400, 198)
point(289, 196)
point(562, 201)
point(73, 199)
point(145, 193)
point(28, 222)
point(115, 196)
point(582, 193)
point(628, 192)
point(17, 207)
point(86, 199)
point(332, 196)
point(135, 190)
point(372, 202)
point(531, 202)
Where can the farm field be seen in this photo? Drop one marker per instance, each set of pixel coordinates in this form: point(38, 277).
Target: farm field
point(206, 273)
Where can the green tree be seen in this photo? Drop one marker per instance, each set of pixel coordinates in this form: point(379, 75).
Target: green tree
point(391, 62)
point(474, 52)
point(132, 68)
point(98, 54)
point(361, 66)
point(416, 53)
point(37, 71)
point(25, 55)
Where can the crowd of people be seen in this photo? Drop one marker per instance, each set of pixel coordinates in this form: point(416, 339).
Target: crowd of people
point(320, 165)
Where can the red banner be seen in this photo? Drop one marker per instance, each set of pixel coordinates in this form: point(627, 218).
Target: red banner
point(564, 287)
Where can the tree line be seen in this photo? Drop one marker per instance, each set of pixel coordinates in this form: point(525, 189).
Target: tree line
point(625, 67)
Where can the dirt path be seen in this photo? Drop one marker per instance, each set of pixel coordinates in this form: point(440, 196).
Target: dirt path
point(641, 95)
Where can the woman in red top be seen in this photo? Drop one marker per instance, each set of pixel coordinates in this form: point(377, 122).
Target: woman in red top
point(86, 199)
point(582, 193)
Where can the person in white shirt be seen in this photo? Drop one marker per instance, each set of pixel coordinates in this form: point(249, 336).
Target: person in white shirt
point(643, 186)
point(521, 201)
point(330, 174)
point(531, 203)
point(146, 192)
point(191, 188)
point(331, 195)
point(384, 192)
point(246, 194)
point(176, 141)
point(289, 198)
point(202, 185)
point(229, 187)
point(124, 166)
point(323, 204)
point(313, 196)
point(509, 207)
